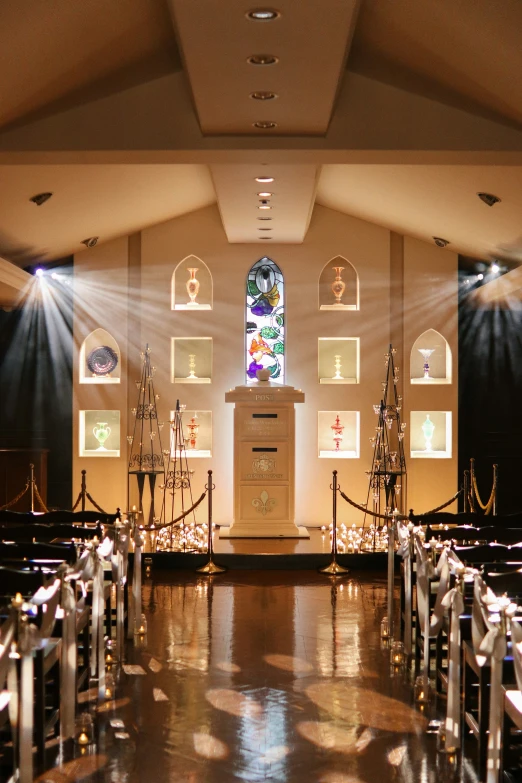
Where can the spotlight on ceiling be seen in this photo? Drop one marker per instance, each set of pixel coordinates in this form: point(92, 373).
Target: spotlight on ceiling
point(440, 242)
point(262, 59)
point(495, 269)
point(90, 241)
point(480, 276)
point(40, 198)
point(263, 14)
point(488, 198)
point(265, 194)
point(39, 272)
point(264, 179)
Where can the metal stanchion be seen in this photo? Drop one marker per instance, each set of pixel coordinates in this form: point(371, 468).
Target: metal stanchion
point(392, 526)
point(31, 466)
point(467, 508)
point(495, 480)
point(334, 569)
point(210, 567)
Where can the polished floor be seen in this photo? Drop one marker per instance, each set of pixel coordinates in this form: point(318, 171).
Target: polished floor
point(261, 676)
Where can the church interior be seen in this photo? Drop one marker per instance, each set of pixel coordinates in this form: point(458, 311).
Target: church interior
point(260, 368)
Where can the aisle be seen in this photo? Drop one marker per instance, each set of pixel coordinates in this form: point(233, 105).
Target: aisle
point(262, 676)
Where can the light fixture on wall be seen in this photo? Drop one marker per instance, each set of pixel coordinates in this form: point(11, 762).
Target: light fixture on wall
point(488, 198)
point(90, 241)
point(440, 242)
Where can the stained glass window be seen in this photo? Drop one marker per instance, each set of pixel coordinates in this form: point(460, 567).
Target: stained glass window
point(265, 320)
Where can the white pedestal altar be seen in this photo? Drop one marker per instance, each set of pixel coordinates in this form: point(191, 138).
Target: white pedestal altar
point(264, 461)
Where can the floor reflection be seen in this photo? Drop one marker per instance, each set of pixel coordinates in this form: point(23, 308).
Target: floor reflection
point(261, 676)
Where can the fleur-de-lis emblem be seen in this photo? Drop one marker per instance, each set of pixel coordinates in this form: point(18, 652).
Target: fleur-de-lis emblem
point(264, 504)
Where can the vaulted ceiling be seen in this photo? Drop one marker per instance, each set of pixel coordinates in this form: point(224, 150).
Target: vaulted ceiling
point(133, 113)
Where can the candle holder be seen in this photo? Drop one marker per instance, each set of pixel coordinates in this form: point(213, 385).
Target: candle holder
point(421, 690)
point(337, 366)
point(109, 686)
point(385, 628)
point(192, 366)
point(83, 730)
point(141, 629)
point(397, 654)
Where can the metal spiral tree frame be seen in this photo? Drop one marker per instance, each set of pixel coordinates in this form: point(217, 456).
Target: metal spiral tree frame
point(146, 458)
point(187, 535)
point(387, 477)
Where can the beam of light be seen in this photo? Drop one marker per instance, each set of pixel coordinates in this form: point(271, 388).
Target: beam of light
point(115, 704)
point(289, 663)
point(395, 756)
point(159, 695)
point(362, 707)
point(234, 703)
point(209, 747)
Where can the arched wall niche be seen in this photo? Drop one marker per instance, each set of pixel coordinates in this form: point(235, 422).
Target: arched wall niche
point(100, 358)
point(436, 367)
point(347, 299)
point(198, 294)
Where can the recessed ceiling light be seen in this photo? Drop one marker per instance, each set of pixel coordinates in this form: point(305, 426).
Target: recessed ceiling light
point(264, 229)
point(265, 194)
point(265, 237)
point(495, 268)
point(263, 14)
point(480, 276)
point(263, 95)
point(262, 59)
point(265, 124)
point(265, 218)
point(264, 179)
point(264, 206)
point(440, 242)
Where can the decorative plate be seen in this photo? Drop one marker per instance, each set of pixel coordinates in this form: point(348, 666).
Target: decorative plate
point(102, 360)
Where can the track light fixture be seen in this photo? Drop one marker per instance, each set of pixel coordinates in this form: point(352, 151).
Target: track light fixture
point(488, 198)
point(90, 241)
point(40, 198)
point(440, 242)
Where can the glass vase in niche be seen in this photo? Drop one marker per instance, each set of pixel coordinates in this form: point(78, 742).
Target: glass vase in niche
point(101, 432)
point(193, 285)
point(428, 428)
point(102, 360)
point(338, 285)
point(426, 353)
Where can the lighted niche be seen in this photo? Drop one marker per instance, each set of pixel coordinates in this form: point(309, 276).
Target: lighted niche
point(191, 285)
point(430, 360)
point(99, 434)
point(430, 434)
point(338, 360)
point(191, 360)
point(339, 286)
point(100, 358)
point(197, 433)
point(338, 434)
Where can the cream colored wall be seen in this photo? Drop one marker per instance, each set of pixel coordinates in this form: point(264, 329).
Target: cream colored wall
point(100, 301)
point(430, 302)
point(330, 234)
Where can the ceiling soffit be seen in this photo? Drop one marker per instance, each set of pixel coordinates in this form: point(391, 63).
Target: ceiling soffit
point(310, 40)
point(291, 200)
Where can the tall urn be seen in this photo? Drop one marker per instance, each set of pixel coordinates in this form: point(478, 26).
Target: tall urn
point(192, 286)
point(338, 285)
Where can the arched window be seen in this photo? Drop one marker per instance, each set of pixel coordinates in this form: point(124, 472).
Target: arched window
point(265, 320)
